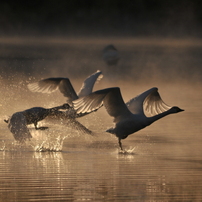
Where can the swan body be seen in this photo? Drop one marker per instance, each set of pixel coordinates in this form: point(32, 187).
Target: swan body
point(128, 117)
point(18, 122)
point(111, 55)
point(50, 85)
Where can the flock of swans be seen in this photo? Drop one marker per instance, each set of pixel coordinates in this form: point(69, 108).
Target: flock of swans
point(128, 117)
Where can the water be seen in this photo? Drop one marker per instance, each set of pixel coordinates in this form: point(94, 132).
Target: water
point(162, 163)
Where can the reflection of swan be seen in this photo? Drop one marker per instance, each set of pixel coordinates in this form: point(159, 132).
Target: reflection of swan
point(110, 55)
point(64, 85)
point(18, 122)
point(129, 117)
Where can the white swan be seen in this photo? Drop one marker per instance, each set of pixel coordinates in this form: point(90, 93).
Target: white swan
point(111, 55)
point(50, 85)
point(18, 122)
point(129, 117)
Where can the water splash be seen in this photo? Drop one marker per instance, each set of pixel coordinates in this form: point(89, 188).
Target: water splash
point(2, 148)
point(50, 145)
point(127, 151)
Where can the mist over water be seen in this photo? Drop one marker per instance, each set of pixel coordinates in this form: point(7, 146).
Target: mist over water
point(143, 62)
point(142, 58)
point(159, 44)
point(164, 160)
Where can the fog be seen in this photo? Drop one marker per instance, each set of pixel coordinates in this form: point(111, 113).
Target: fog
point(162, 58)
point(159, 45)
point(157, 40)
point(143, 62)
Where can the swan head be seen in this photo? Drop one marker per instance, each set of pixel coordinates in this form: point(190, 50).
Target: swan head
point(176, 109)
point(66, 106)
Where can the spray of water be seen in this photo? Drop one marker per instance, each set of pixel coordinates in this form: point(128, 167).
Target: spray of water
point(50, 146)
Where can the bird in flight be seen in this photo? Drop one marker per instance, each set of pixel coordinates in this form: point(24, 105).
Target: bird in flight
point(50, 85)
point(128, 117)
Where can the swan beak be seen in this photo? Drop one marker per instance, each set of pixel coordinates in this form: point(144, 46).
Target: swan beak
point(181, 110)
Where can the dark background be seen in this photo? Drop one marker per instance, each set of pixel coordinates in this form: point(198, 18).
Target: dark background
point(102, 17)
point(41, 39)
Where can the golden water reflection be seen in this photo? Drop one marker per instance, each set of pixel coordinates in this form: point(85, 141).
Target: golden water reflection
point(164, 162)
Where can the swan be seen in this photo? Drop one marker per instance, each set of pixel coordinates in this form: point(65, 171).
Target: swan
point(111, 55)
point(18, 122)
point(50, 85)
point(128, 117)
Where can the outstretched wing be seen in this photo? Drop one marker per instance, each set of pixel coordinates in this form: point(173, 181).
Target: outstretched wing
point(78, 126)
point(18, 127)
point(149, 102)
point(88, 84)
point(110, 97)
point(45, 86)
point(135, 105)
point(52, 84)
point(153, 104)
point(67, 90)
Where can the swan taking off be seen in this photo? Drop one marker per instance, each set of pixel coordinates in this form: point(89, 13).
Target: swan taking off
point(111, 55)
point(50, 85)
point(130, 117)
point(18, 122)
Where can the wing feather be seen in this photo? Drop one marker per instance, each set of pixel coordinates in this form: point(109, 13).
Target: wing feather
point(153, 104)
point(52, 84)
point(149, 103)
point(135, 105)
point(67, 89)
point(88, 84)
point(110, 97)
point(18, 127)
point(45, 86)
point(79, 127)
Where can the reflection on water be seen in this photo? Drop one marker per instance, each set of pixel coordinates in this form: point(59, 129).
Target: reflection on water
point(162, 163)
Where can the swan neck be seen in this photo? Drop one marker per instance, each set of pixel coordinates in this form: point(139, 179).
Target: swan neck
point(159, 116)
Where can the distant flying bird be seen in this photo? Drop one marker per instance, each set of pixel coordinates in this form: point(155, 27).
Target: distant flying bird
point(18, 122)
point(50, 85)
point(111, 55)
point(130, 117)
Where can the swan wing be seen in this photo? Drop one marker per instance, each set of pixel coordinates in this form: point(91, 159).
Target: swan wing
point(149, 103)
point(50, 85)
point(45, 86)
point(153, 104)
point(18, 127)
point(78, 126)
point(111, 98)
point(135, 105)
point(67, 90)
point(88, 84)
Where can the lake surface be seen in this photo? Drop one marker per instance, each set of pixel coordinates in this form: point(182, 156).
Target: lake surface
point(163, 162)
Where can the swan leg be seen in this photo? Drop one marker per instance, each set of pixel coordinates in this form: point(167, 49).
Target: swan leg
point(35, 125)
point(120, 144)
point(39, 128)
